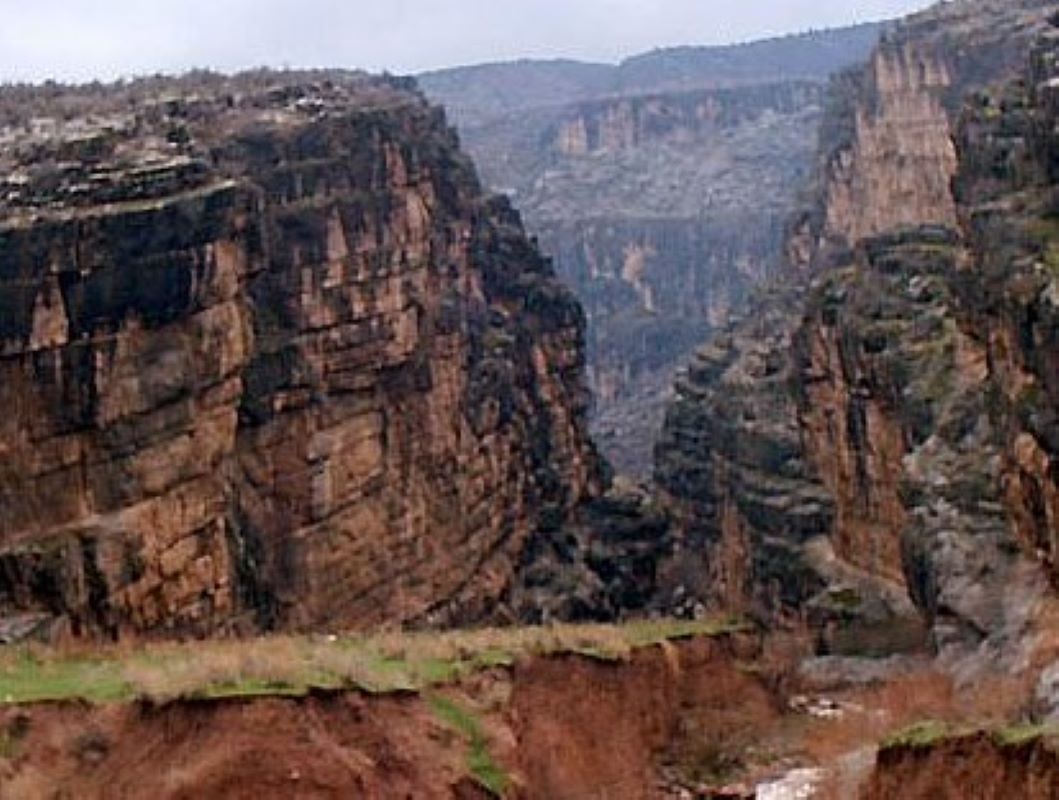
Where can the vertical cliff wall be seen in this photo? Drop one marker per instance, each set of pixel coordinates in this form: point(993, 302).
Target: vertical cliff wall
point(124, 343)
point(887, 156)
point(272, 359)
point(907, 369)
point(1006, 188)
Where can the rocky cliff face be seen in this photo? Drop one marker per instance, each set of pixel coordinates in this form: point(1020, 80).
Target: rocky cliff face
point(887, 156)
point(271, 359)
point(661, 187)
point(907, 392)
point(1006, 187)
point(755, 518)
point(664, 236)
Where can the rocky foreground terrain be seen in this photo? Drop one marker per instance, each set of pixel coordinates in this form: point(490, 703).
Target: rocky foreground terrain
point(661, 187)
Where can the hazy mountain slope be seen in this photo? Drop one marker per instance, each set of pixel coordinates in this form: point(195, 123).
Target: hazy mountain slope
point(661, 186)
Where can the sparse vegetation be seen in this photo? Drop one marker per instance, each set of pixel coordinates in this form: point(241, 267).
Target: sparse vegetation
point(295, 666)
point(90, 747)
point(732, 722)
point(921, 734)
point(932, 732)
point(920, 709)
point(480, 762)
point(1016, 735)
point(12, 736)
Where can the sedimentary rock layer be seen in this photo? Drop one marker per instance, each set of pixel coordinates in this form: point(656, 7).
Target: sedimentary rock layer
point(270, 358)
point(906, 388)
point(532, 728)
point(1015, 763)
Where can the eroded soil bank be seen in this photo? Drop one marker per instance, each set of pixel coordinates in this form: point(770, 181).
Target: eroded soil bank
point(978, 766)
point(556, 727)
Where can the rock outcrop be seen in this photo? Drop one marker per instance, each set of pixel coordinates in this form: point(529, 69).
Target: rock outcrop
point(756, 522)
point(887, 156)
point(661, 187)
point(1006, 187)
point(600, 564)
point(270, 359)
point(904, 393)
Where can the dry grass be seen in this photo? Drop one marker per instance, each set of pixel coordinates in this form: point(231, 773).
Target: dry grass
point(727, 721)
point(289, 665)
point(161, 674)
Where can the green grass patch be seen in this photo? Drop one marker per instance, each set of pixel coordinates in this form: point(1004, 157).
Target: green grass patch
point(293, 666)
point(922, 734)
point(1016, 735)
point(645, 633)
point(846, 598)
point(27, 678)
point(931, 733)
point(480, 762)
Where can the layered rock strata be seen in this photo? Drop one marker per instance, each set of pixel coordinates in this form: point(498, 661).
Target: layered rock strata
point(993, 766)
point(887, 156)
point(528, 730)
point(270, 358)
point(908, 388)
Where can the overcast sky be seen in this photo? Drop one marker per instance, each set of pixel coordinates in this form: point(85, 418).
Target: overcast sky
point(83, 39)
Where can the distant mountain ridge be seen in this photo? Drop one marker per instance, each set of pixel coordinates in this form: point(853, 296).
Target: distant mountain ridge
point(474, 94)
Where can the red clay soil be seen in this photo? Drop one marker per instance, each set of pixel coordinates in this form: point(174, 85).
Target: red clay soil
point(966, 768)
point(328, 747)
point(563, 728)
point(587, 730)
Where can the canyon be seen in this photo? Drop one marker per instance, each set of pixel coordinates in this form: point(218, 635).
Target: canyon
point(274, 362)
point(861, 438)
point(661, 187)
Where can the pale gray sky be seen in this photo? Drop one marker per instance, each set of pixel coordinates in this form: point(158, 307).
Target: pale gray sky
point(83, 39)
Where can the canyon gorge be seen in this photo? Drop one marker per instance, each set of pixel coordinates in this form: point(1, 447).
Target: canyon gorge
point(864, 435)
point(661, 188)
point(743, 448)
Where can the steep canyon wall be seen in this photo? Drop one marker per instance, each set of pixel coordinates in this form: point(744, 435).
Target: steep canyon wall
point(270, 358)
point(902, 388)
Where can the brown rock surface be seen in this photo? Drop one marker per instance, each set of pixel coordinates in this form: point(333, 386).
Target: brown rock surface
point(979, 765)
point(887, 156)
point(907, 385)
point(270, 358)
